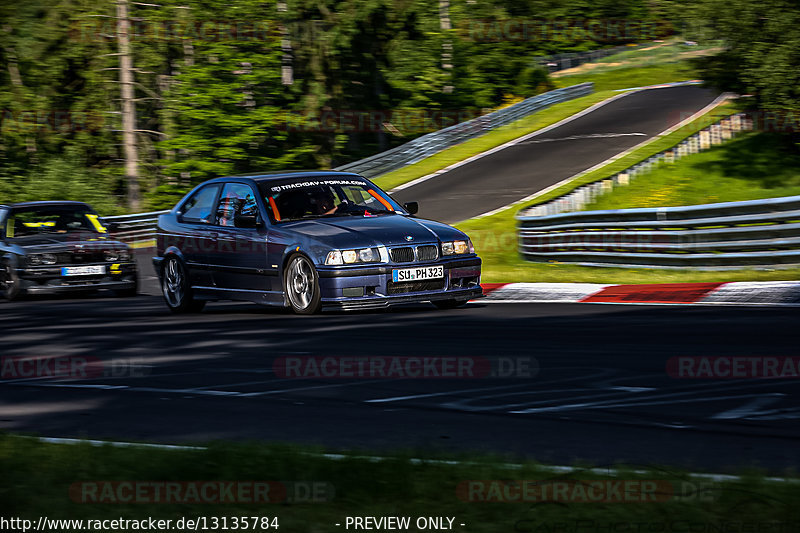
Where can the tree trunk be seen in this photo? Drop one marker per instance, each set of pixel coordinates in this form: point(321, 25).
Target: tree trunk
point(128, 107)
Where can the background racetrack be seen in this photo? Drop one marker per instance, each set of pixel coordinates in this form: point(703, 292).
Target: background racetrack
point(537, 162)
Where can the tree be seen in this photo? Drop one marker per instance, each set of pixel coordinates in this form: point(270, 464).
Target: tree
point(762, 41)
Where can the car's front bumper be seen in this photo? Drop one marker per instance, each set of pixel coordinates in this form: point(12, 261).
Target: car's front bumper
point(49, 279)
point(372, 287)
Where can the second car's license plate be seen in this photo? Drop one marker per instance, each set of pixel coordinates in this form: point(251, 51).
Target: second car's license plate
point(414, 274)
point(83, 271)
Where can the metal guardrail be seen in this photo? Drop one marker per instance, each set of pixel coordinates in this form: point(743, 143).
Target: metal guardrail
point(135, 229)
point(567, 60)
point(754, 233)
point(431, 143)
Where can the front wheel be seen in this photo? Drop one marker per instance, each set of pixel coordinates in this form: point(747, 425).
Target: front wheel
point(176, 288)
point(449, 304)
point(301, 282)
point(10, 286)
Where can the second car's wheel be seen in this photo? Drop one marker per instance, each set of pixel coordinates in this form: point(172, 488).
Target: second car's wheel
point(301, 281)
point(449, 304)
point(10, 286)
point(176, 288)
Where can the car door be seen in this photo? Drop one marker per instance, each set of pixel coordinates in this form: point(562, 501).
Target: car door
point(196, 237)
point(239, 259)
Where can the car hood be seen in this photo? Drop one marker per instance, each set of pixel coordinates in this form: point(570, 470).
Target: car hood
point(387, 230)
point(48, 242)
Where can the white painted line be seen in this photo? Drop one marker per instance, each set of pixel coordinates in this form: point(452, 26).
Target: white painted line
point(717, 102)
point(116, 444)
point(447, 393)
point(315, 387)
point(587, 136)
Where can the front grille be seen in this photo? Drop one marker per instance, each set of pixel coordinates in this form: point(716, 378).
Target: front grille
point(81, 258)
point(402, 255)
point(429, 252)
point(415, 286)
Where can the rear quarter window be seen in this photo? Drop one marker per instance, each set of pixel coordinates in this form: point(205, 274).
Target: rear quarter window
point(199, 208)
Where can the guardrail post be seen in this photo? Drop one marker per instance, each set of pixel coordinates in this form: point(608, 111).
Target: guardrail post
point(725, 129)
point(716, 137)
point(705, 139)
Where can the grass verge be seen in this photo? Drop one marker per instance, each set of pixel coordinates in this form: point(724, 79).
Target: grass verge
point(46, 480)
point(495, 236)
point(751, 167)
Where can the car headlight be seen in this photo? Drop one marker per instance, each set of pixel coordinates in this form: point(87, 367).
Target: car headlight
point(334, 258)
point(111, 255)
point(49, 259)
point(367, 255)
point(124, 255)
point(349, 257)
point(457, 247)
point(34, 259)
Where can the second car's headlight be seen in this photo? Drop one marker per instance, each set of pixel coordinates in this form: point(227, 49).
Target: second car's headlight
point(49, 259)
point(34, 259)
point(349, 257)
point(111, 255)
point(457, 247)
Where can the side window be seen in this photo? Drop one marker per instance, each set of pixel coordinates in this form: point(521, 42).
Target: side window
point(199, 207)
point(236, 198)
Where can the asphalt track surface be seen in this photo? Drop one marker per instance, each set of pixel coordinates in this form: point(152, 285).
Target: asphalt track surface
point(601, 393)
point(508, 175)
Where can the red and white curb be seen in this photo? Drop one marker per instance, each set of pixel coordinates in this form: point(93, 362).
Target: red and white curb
point(733, 293)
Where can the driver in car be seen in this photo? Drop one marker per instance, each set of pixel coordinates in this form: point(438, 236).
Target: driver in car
point(323, 200)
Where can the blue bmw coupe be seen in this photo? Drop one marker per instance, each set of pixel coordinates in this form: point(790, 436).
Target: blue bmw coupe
point(309, 241)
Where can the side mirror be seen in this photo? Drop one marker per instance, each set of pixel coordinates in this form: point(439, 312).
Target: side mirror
point(246, 221)
point(411, 207)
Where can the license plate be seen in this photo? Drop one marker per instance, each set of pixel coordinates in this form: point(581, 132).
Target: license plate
point(414, 274)
point(92, 270)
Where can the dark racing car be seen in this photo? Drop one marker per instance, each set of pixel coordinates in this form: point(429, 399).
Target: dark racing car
point(309, 240)
point(51, 247)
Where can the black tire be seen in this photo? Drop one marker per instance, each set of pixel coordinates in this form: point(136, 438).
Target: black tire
point(176, 289)
point(449, 304)
point(10, 287)
point(301, 283)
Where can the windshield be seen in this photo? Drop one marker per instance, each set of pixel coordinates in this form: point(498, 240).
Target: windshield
point(326, 197)
point(52, 219)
